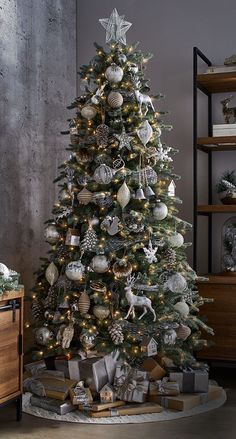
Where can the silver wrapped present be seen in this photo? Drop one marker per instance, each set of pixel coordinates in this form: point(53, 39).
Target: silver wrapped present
point(53, 405)
point(131, 384)
point(190, 380)
point(97, 371)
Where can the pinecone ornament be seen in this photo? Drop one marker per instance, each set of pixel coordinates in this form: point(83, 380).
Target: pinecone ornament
point(90, 241)
point(170, 256)
point(51, 300)
point(116, 333)
point(102, 134)
point(37, 310)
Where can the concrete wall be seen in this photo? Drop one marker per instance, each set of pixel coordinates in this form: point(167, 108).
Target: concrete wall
point(170, 29)
point(37, 80)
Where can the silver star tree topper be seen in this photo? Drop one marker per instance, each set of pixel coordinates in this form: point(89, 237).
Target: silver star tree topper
point(116, 27)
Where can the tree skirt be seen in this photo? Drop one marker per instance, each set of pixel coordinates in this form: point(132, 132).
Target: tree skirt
point(79, 417)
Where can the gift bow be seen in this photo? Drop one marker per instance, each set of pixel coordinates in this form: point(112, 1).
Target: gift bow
point(161, 384)
point(130, 382)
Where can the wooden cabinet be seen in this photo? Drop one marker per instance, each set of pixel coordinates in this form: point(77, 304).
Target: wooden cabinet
point(11, 352)
point(221, 316)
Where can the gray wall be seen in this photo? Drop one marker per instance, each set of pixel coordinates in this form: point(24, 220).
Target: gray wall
point(37, 80)
point(37, 77)
point(170, 29)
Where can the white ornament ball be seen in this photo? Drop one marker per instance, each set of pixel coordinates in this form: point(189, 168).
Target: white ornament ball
point(4, 271)
point(170, 337)
point(115, 99)
point(114, 74)
point(51, 234)
point(176, 240)
point(176, 283)
point(160, 211)
point(88, 112)
point(182, 308)
point(100, 264)
point(75, 270)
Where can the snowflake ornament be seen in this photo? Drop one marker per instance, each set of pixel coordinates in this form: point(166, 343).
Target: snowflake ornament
point(150, 253)
point(116, 27)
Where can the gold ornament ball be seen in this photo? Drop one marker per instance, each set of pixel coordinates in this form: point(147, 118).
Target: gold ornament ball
point(121, 270)
point(115, 99)
point(88, 112)
point(101, 312)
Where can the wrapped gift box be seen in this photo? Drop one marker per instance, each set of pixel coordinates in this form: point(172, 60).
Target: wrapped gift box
point(73, 368)
point(53, 405)
point(96, 372)
point(190, 381)
point(61, 364)
point(164, 387)
point(128, 410)
point(155, 371)
point(186, 401)
point(131, 384)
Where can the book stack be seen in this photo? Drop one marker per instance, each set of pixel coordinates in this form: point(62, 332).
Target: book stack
point(225, 129)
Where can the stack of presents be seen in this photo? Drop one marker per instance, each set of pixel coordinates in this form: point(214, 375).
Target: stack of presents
point(101, 386)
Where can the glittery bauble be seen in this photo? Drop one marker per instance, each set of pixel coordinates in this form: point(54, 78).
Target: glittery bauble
point(87, 341)
point(123, 195)
point(100, 264)
point(88, 112)
point(160, 211)
point(170, 337)
point(102, 135)
point(103, 174)
point(122, 270)
point(182, 308)
point(84, 196)
point(52, 273)
point(43, 336)
point(176, 283)
point(176, 240)
point(84, 303)
point(101, 312)
point(115, 99)
point(183, 332)
point(75, 270)
point(114, 74)
point(51, 234)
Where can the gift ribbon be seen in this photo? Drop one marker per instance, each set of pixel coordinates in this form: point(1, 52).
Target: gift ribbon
point(130, 382)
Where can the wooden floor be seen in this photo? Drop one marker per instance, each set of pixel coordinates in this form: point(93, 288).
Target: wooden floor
point(218, 424)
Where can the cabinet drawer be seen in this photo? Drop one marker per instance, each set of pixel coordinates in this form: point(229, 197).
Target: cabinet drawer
point(9, 352)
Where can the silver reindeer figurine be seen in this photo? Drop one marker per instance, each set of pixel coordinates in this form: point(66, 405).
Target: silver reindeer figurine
point(228, 112)
point(139, 301)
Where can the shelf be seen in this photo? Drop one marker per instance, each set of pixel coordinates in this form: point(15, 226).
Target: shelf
point(217, 82)
point(223, 143)
point(217, 278)
point(216, 208)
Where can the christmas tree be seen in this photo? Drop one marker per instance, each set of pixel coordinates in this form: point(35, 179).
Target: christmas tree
point(116, 273)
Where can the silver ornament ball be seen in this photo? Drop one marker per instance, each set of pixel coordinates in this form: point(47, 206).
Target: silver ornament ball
point(43, 336)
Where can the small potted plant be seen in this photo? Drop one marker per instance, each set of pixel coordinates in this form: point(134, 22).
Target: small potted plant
point(226, 188)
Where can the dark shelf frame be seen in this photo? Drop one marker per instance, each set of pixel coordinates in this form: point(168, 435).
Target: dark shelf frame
point(208, 84)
